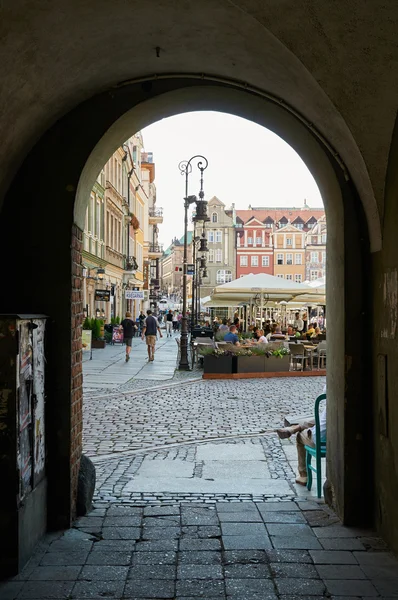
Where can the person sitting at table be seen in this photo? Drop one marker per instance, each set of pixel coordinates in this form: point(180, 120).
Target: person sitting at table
point(305, 437)
point(261, 337)
point(231, 336)
point(223, 327)
point(278, 333)
point(290, 330)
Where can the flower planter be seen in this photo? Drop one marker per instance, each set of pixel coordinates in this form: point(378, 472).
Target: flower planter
point(249, 364)
point(98, 344)
point(273, 364)
point(217, 364)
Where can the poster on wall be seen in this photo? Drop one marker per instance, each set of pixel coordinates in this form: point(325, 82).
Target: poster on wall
point(86, 340)
point(39, 398)
point(117, 336)
point(25, 375)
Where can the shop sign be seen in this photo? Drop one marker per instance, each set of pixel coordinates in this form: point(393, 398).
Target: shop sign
point(134, 294)
point(190, 269)
point(86, 340)
point(102, 295)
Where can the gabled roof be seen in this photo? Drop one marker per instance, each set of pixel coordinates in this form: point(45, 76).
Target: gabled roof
point(215, 202)
point(253, 220)
point(276, 214)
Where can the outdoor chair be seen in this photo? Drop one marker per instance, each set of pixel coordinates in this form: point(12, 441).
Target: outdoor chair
point(298, 356)
point(318, 452)
point(321, 354)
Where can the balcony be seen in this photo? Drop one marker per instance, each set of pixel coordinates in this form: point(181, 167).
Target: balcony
point(155, 216)
point(130, 264)
point(155, 251)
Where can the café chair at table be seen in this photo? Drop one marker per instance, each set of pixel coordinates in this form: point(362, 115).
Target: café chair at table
point(318, 452)
point(298, 356)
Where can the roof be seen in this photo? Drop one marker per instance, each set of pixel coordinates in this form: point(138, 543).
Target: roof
point(278, 213)
point(167, 252)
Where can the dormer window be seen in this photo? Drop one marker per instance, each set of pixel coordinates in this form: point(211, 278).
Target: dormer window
point(214, 217)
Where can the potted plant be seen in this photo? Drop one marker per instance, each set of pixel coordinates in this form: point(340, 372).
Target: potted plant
point(98, 339)
point(216, 360)
point(277, 360)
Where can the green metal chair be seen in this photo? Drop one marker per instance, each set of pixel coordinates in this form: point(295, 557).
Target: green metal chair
point(318, 452)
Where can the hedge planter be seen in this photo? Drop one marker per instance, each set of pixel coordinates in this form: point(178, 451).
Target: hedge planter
point(217, 364)
point(98, 344)
point(249, 364)
point(273, 364)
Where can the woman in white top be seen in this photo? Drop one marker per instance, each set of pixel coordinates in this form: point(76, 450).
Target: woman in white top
point(262, 339)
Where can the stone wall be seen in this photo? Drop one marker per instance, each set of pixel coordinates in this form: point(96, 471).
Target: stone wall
point(76, 358)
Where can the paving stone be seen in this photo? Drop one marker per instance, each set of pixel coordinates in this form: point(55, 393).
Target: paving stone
point(350, 587)
point(98, 590)
point(114, 546)
point(103, 573)
point(196, 518)
point(200, 588)
point(109, 558)
point(288, 556)
point(243, 529)
point(301, 543)
point(281, 517)
point(247, 517)
point(202, 532)
point(196, 571)
point(199, 558)
point(386, 587)
point(237, 507)
point(245, 557)
point(121, 533)
point(333, 557)
point(259, 587)
point(300, 587)
point(340, 572)
point(10, 590)
point(341, 544)
point(64, 545)
point(194, 544)
point(46, 589)
point(154, 558)
point(277, 507)
point(55, 573)
point(162, 521)
point(281, 529)
point(249, 571)
point(89, 522)
point(161, 533)
point(64, 558)
point(159, 545)
point(301, 570)
point(152, 572)
point(132, 521)
point(376, 559)
point(246, 542)
point(334, 531)
point(124, 511)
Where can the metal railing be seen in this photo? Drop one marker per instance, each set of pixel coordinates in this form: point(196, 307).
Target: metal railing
point(130, 263)
point(155, 248)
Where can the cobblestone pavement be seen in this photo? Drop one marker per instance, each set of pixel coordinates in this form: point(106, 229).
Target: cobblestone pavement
point(230, 551)
point(188, 412)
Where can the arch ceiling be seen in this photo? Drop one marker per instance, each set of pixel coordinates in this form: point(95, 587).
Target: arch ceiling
point(335, 63)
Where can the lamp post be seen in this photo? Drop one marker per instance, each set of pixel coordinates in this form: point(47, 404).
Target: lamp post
point(185, 168)
point(196, 248)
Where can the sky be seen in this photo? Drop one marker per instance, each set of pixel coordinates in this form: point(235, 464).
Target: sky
point(248, 164)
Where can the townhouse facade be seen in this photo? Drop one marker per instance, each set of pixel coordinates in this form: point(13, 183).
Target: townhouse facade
point(315, 251)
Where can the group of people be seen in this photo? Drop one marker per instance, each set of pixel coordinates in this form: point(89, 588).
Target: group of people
point(150, 327)
point(173, 320)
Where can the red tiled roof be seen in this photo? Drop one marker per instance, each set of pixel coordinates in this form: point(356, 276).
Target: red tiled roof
point(277, 213)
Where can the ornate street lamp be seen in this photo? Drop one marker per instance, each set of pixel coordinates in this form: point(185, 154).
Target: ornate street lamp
point(201, 215)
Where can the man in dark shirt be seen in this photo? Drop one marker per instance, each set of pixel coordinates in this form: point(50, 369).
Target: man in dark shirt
point(129, 328)
point(169, 323)
point(151, 326)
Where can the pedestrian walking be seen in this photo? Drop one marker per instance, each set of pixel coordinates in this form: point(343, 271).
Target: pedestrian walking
point(175, 322)
point(151, 326)
point(129, 328)
point(169, 323)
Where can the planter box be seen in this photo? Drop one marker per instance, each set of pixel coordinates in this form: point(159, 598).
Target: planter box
point(220, 364)
point(98, 344)
point(273, 364)
point(249, 364)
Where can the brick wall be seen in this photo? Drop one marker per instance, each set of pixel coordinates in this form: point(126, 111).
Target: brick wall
point(77, 376)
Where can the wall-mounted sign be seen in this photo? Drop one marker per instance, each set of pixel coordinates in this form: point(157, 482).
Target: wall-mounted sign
point(190, 269)
point(134, 294)
point(102, 295)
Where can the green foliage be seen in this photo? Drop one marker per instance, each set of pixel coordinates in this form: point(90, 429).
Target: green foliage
point(87, 323)
point(117, 320)
point(96, 328)
point(220, 335)
point(244, 352)
point(206, 350)
point(280, 352)
point(260, 350)
point(247, 335)
point(107, 337)
point(113, 321)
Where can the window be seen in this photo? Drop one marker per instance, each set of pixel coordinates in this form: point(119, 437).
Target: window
point(289, 241)
point(223, 276)
point(268, 225)
point(211, 255)
point(314, 257)
point(98, 220)
point(218, 237)
point(214, 218)
point(249, 240)
point(314, 239)
point(254, 261)
point(218, 255)
point(280, 276)
point(243, 261)
point(299, 225)
point(259, 241)
point(265, 261)
point(297, 259)
point(289, 277)
point(314, 275)
point(323, 257)
point(297, 278)
point(279, 259)
point(289, 259)
point(323, 238)
point(210, 236)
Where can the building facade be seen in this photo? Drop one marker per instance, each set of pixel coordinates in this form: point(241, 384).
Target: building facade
point(289, 253)
point(254, 248)
point(172, 269)
point(315, 251)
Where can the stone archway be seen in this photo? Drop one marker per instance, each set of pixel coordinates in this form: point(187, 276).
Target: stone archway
point(64, 165)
